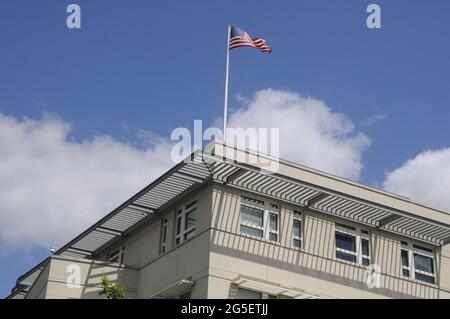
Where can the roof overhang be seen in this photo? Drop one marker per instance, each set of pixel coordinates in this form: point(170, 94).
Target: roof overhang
point(271, 289)
point(329, 201)
point(176, 289)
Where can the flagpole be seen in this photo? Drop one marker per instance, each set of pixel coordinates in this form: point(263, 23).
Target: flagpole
point(225, 110)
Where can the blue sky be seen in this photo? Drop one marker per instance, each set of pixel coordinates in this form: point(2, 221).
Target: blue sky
point(157, 65)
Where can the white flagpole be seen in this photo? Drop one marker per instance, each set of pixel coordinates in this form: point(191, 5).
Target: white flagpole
point(225, 111)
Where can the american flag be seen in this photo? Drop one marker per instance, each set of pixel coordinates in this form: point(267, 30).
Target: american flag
point(240, 38)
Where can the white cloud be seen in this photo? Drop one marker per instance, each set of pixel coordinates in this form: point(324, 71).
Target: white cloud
point(310, 133)
point(425, 178)
point(378, 116)
point(52, 187)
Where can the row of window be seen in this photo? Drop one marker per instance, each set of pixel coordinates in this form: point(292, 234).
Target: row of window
point(185, 225)
point(417, 262)
point(352, 244)
point(260, 219)
point(185, 229)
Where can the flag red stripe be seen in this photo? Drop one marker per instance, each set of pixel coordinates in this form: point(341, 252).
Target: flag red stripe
point(246, 41)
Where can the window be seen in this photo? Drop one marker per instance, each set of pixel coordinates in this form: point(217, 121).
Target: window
point(346, 247)
point(189, 223)
point(405, 263)
point(164, 236)
point(365, 252)
point(249, 294)
point(352, 244)
point(186, 295)
point(178, 233)
point(252, 221)
point(297, 230)
point(185, 223)
point(273, 226)
point(116, 256)
point(417, 262)
point(258, 219)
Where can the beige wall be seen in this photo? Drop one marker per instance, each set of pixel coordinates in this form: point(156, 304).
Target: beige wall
point(314, 268)
point(444, 269)
point(56, 278)
point(187, 261)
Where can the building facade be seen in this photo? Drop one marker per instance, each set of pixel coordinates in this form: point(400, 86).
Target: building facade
point(219, 225)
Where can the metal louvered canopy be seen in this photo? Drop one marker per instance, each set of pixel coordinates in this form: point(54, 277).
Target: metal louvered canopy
point(329, 201)
point(181, 179)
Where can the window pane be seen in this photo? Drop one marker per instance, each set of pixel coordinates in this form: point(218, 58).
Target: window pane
point(114, 259)
point(252, 200)
point(405, 272)
point(190, 219)
point(251, 231)
point(423, 263)
point(178, 225)
point(423, 248)
point(365, 247)
point(405, 259)
point(247, 294)
point(115, 252)
point(273, 237)
point(345, 256)
point(273, 221)
point(164, 232)
point(252, 216)
point(191, 204)
point(114, 256)
point(297, 243)
point(186, 295)
point(189, 234)
point(424, 278)
point(297, 228)
point(365, 262)
point(345, 241)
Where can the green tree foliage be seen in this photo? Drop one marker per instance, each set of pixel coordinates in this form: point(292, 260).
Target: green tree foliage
point(112, 291)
